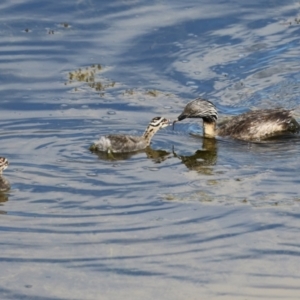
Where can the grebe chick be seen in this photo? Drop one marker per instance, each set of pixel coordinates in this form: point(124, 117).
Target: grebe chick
point(4, 184)
point(121, 143)
point(3, 164)
point(250, 126)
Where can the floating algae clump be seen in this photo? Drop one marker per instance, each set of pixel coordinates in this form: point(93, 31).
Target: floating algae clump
point(88, 76)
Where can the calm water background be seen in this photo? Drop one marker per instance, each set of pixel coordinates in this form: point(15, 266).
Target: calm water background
point(188, 219)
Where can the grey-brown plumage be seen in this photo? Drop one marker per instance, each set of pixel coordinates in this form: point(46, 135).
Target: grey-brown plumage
point(4, 184)
point(121, 143)
point(3, 164)
point(251, 126)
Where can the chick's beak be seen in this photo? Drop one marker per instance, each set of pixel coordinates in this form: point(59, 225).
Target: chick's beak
point(166, 122)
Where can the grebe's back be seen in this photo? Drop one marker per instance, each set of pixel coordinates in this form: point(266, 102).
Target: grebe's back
point(259, 124)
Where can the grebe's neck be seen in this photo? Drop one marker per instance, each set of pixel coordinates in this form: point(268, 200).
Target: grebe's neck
point(149, 133)
point(209, 129)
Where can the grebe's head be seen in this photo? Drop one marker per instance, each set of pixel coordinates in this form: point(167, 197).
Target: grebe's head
point(3, 164)
point(200, 108)
point(155, 124)
point(159, 122)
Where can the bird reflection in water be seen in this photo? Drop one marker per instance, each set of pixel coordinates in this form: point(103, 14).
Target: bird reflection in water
point(202, 160)
point(157, 156)
point(3, 198)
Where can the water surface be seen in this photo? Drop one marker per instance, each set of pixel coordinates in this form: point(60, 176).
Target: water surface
point(187, 218)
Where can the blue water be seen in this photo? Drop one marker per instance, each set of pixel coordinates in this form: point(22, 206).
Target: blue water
point(187, 219)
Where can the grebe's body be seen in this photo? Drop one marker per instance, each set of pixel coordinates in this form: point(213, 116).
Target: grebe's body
point(120, 143)
point(251, 126)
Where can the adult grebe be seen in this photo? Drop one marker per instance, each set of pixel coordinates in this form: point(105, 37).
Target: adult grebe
point(121, 143)
point(251, 126)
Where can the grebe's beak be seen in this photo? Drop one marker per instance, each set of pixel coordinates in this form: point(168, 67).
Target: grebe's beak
point(182, 117)
point(173, 125)
point(179, 118)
